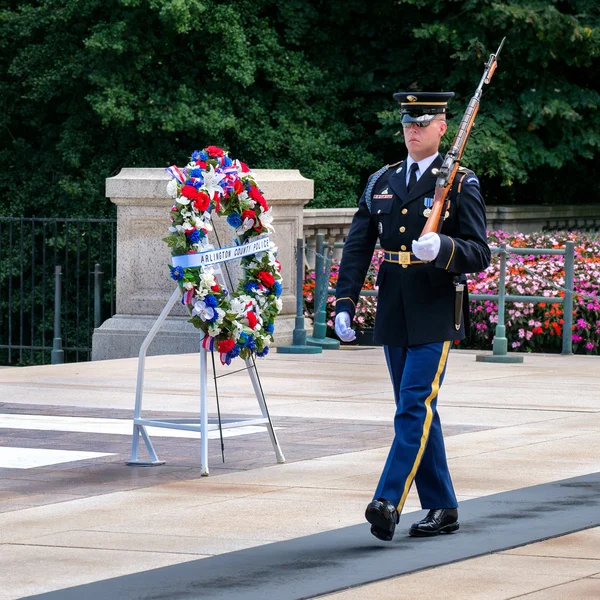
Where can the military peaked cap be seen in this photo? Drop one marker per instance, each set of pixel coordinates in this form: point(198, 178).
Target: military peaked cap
point(422, 106)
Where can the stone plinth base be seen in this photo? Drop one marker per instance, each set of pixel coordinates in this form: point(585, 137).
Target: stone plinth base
point(122, 336)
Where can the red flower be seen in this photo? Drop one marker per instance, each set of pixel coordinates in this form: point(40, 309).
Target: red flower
point(226, 346)
point(238, 187)
point(249, 214)
point(215, 151)
point(255, 194)
point(217, 201)
point(245, 168)
point(266, 278)
point(201, 202)
point(189, 191)
point(201, 164)
point(215, 288)
point(252, 320)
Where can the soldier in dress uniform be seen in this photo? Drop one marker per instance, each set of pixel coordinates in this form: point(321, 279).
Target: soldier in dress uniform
point(418, 314)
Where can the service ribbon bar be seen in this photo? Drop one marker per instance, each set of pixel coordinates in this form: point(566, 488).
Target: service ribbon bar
point(211, 257)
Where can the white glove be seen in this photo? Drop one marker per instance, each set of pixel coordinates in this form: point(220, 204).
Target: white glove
point(428, 247)
point(342, 327)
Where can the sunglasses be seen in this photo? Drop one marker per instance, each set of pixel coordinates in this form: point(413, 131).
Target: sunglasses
point(417, 123)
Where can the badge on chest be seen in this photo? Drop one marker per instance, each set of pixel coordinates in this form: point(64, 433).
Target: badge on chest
point(383, 194)
point(428, 203)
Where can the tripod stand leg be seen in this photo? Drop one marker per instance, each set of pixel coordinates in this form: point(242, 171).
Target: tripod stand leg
point(254, 378)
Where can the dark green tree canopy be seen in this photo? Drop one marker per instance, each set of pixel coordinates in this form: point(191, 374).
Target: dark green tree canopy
point(91, 86)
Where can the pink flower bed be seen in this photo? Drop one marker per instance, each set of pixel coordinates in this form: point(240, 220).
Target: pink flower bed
point(529, 327)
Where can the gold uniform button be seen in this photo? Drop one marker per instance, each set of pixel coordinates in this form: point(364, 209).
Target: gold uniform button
point(404, 211)
point(402, 229)
point(405, 266)
point(402, 247)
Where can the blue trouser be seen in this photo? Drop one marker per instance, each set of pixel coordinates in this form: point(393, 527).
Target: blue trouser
point(418, 451)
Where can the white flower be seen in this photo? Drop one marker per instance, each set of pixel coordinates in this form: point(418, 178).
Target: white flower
point(172, 188)
point(278, 304)
point(266, 218)
point(245, 226)
point(211, 182)
point(237, 306)
point(183, 200)
point(206, 313)
point(207, 278)
point(188, 285)
point(173, 229)
point(214, 330)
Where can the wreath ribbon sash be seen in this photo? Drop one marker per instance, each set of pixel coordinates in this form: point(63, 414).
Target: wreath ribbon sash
point(211, 257)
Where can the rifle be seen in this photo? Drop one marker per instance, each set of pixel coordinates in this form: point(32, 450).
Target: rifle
point(447, 172)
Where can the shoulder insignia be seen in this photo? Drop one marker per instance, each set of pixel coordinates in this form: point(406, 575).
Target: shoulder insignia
point(472, 179)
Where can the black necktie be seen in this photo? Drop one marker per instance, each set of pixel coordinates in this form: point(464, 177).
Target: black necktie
point(412, 179)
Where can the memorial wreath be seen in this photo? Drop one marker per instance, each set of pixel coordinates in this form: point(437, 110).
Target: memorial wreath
point(235, 323)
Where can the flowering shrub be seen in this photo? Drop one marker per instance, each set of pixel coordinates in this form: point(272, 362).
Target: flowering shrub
point(366, 306)
point(529, 327)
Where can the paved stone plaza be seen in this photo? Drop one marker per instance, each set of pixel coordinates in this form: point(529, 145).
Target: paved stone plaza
point(72, 513)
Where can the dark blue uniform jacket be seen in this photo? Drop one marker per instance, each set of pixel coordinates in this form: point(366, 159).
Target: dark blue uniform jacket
point(416, 303)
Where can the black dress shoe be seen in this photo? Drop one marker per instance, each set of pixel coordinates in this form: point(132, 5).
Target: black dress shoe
point(438, 520)
point(383, 517)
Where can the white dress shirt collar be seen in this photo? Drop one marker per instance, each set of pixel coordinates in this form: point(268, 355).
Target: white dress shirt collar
point(423, 165)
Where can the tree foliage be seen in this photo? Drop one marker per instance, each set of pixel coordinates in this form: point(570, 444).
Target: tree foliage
point(91, 86)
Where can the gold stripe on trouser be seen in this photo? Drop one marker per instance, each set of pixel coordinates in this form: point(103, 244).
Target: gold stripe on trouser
point(435, 388)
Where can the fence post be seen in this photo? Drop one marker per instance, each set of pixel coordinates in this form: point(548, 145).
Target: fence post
point(322, 270)
point(299, 335)
point(57, 356)
point(500, 343)
point(97, 296)
point(567, 333)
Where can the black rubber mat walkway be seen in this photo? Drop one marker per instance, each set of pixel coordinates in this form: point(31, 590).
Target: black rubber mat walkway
point(314, 565)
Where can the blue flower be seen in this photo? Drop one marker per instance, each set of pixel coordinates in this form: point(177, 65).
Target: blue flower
point(277, 287)
point(211, 301)
point(203, 155)
point(227, 162)
point(234, 353)
point(196, 155)
point(243, 339)
point(202, 233)
point(194, 236)
point(176, 273)
point(270, 328)
point(251, 343)
point(251, 286)
point(264, 352)
point(197, 172)
point(234, 219)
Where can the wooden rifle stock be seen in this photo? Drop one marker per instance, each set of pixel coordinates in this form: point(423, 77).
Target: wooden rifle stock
point(447, 172)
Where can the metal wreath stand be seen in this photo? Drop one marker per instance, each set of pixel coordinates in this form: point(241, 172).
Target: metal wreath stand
point(200, 425)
